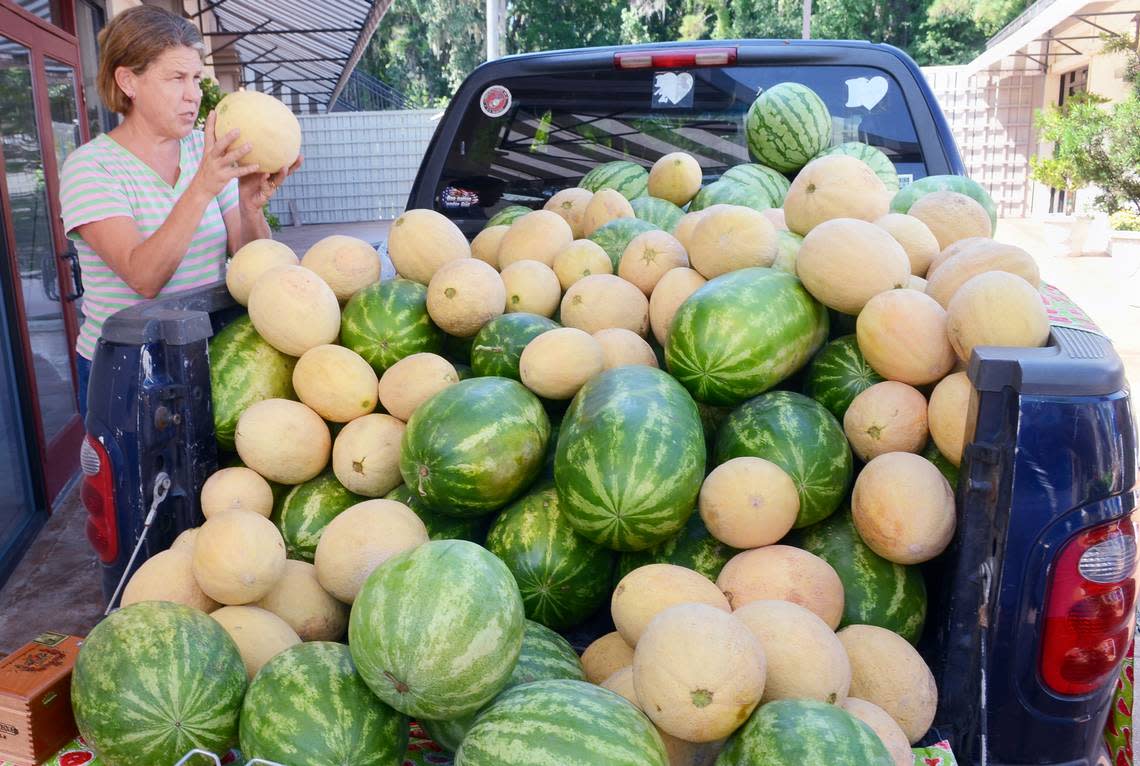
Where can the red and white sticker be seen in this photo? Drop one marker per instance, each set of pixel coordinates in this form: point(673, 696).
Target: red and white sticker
point(495, 101)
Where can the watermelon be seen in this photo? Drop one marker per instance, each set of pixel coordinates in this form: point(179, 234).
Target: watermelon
point(742, 333)
point(436, 631)
point(948, 469)
point(803, 438)
point(244, 370)
point(306, 510)
point(786, 126)
point(308, 705)
point(563, 577)
point(771, 182)
point(729, 192)
point(875, 159)
point(802, 732)
point(439, 526)
point(615, 236)
point(558, 723)
point(693, 548)
point(155, 680)
point(630, 459)
point(500, 343)
point(474, 446)
point(387, 321)
point(876, 591)
point(660, 212)
point(628, 178)
point(787, 250)
point(838, 374)
point(961, 184)
point(507, 215)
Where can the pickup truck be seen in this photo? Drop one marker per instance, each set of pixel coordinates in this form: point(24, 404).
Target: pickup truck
point(1031, 608)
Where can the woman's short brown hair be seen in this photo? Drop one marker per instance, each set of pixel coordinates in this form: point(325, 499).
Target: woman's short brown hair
point(134, 39)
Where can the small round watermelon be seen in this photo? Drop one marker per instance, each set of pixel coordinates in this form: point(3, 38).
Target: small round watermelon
point(615, 236)
point(440, 526)
point(729, 192)
point(902, 202)
point(308, 705)
point(803, 732)
point(306, 510)
point(660, 212)
point(875, 159)
point(628, 178)
point(693, 548)
point(772, 182)
point(786, 126)
point(387, 321)
point(244, 370)
point(837, 374)
point(507, 215)
point(499, 344)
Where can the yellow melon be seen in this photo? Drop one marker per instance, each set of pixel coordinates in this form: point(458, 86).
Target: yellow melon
point(961, 245)
point(903, 507)
point(464, 295)
point(283, 440)
point(621, 683)
point(947, 415)
point(336, 383)
point(731, 238)
point(685, 227)
point(559, 362)
point(651, 589)
point(579, 259)
point(348, 264)
point(917, 240)
point(236, 489)
point(420, 241)
point(537, 236)
point(238, 557)
point(675, 286)
point(366, 455)
point(649, 256)
point(571, 204)
point(675, 177)
point(887, 671)
point(259, 634)
point(265, 123)
point(902, 335)
point(412, 381)
point(531, 287)
point(747, 502)
point(168, 576)
point(996, 309)
point(485, 246)
point(621, 348)
point(885, 728)
point(951, 217)
point(698, 671)
point(916, 283)
point(805, 659)
point(605, 656)
point(845, 262)
point(251, 261)
point(309, 609)
point(600, 301)
point(834, 186)
point(775, 216)
point(784, 573)
point(294, 310)
point(887, 417)
point(978, 259)
point(362, 538)
point(605, 206)
point(185, 541)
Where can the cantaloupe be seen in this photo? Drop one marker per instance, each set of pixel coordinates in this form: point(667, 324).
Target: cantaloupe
point(783, 573)
point(531, 287)
point(834, 186)
point(960, 246)
point(605, 300)
point(731, 238)
point(236, 489)
point(251, 261)
point(168, 576)
point(805, 659)
point(486, 244)
point(283, 440)
point(685, 227)
point(887, 671)
point(675, 177)
point(776, 217)
point(335, 382)
point(464, 295)
point(621, 683)
point(903, 507)
point(947, 415)
point(559, 362)
point(238, 557)
point(605, 206)
point(185, 541)
point(265, 123)
point(366, 455)
point(996, 309)
point(580, 259)
point(420, 241)
point(951, 216)
point(648, 257)
point(845, 262)
point(748, 502)
point(537, 236)
point(698, 672)
point(651, 589)
point(621, 348)
point(347, 264)
point(570, 203)
point(605, 656)
point(412, 381)
point(294, 310)
point(885, 727)
point(309, 609)
point(259, 634)
point(916, 283)
point(902, 335)
point(917, 240)
point(977, 259)
point(887, 417)
point(362, 538)
point(671, 291)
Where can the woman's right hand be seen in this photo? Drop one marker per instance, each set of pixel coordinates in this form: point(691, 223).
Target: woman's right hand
point(220, 159)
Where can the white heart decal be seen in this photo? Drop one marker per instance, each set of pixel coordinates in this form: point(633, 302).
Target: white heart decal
point(865, 92)
point(672, 88)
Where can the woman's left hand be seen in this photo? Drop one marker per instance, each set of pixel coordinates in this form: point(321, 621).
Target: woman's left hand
point(255, 190)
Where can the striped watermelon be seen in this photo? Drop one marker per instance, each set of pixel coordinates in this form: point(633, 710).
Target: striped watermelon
point(660, 212)
point(693, 548)
point(961, 184)
point(146, 661)
point(244, 370)
point(838, 374)
point(436, 631)
point(474, 446)
point(729, 192)
point(787, 125)
point(948, 469)
point(799, 435)
point(771, 182)
point(615, 236)
point(802, 732)
point(306, 510)
point(628, 178)
point(387, 321)
point(507, 215)
point(875, 591)
point(308, 705)
point(631, 458)
point(875, 159)
point(440, 526)
point(561, 723)
point(563, 577)
point(742, 333)
point(787, 251)
point(499, 344)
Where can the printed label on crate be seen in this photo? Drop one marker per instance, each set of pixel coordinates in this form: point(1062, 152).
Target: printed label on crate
point(935, 755)
point(1064, 313)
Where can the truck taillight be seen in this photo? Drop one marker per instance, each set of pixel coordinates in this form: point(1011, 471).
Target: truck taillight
point(683, 58)
point(98, 493)
point(1090, 610)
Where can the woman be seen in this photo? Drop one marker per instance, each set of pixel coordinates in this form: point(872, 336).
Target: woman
point(154, 205)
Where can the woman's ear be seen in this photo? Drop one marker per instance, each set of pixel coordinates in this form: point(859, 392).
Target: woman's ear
point(127, 81)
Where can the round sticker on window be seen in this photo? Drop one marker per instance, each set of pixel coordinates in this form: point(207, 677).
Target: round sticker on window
point(495, 101)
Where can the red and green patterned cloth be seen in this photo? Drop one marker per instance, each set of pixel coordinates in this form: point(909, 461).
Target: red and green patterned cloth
point(1118, 730)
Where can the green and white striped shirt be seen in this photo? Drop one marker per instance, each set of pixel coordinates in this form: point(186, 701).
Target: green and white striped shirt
point(102, 179)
